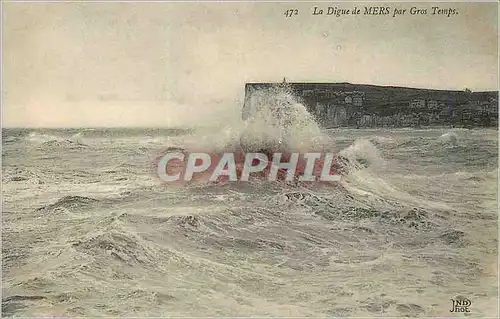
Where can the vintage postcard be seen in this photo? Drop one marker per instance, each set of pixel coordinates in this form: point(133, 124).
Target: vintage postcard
point(249, 159)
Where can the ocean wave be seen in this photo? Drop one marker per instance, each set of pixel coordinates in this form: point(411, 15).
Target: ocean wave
point(69, 203)
point(52, 141)
point(383, 140)
point(449, 138)
point(362, 153)
point(80, 136)
point(24, 175)
point(36, 137)
point(10, 139)
point(65, 143)
point(122, 247)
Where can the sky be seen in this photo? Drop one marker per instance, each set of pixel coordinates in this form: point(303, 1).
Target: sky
point(171, 64)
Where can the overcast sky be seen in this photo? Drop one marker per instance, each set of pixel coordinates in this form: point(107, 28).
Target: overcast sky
point(122, 64)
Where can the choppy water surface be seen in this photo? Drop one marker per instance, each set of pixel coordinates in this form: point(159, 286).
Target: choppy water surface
point(88, 230)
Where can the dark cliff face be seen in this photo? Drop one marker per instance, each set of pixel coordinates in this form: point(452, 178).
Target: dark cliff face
point(346, 104)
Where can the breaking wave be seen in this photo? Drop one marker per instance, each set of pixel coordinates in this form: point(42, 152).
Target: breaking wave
point(275, 119)
point(449, 138)
point(41, 138)
point(275, 115)
point(363, 152)
point(52, 141)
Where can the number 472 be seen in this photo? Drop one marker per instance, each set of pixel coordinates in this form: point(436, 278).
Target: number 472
point(291, 12)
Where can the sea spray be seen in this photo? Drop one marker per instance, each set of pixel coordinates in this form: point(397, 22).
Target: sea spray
point(274, 119)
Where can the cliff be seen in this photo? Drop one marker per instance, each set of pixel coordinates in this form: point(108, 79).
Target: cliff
point(360, 105)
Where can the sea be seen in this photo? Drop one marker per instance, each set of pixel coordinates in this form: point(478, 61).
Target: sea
point(88, 229)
